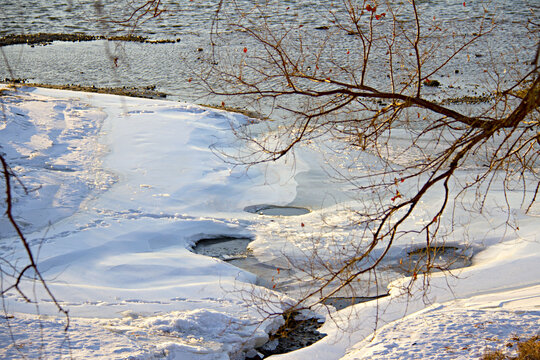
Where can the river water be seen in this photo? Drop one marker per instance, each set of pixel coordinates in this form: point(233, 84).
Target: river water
point(170, 66)
point(181, 17)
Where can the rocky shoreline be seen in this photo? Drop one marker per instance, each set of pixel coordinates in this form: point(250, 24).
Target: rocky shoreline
point(147, 92)
point(47, 38)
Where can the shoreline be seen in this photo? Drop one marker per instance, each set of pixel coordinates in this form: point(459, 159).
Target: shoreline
point(47, 38)
point(150, 92)
point(145, 92)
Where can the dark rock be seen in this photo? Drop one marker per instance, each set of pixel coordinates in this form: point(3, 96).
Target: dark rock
point(432, 83)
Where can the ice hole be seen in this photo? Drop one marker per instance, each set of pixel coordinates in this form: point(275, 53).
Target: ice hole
point(223, 247)
point(275, 210)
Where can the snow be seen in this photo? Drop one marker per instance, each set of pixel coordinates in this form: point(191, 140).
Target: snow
point(455, 330)
point(113, 232)
point(122, 188)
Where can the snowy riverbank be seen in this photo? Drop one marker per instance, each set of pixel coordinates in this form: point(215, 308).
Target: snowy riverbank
point(124, 187)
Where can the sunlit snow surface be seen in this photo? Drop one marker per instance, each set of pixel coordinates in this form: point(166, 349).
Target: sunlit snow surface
point(120, 189)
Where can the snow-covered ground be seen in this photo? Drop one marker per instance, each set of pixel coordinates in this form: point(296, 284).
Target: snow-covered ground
point(120, 189)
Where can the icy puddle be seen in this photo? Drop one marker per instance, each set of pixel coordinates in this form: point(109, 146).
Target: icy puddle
point(225, 248)
point(436, 258)
point(235, 252)
point(275, 210)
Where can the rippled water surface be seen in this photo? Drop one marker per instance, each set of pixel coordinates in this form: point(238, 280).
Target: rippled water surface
point(171, 66)
point(184, 16)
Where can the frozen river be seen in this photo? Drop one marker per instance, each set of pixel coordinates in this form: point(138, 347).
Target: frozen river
point(124, 188)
